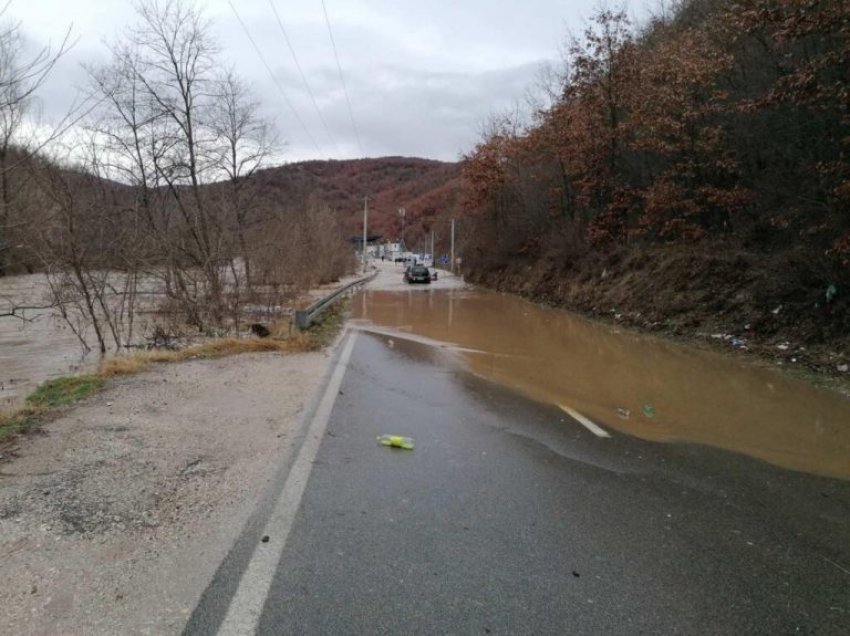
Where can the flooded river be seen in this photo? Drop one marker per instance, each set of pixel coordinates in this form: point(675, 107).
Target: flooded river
point(38, 345)
point(638, 384)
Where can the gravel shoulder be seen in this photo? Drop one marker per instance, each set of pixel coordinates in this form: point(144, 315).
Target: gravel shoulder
point(115, 517)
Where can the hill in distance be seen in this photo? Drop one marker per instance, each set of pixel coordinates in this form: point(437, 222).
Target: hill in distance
point(428, 190)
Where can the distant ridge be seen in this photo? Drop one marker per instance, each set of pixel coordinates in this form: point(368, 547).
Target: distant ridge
point(427, 189)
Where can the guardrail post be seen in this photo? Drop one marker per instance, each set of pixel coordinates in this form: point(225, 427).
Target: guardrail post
point(302, 319)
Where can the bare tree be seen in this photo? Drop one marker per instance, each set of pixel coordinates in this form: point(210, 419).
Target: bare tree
point(78, 246)
point(20, 78)
point(172, 126)
point(246, 141)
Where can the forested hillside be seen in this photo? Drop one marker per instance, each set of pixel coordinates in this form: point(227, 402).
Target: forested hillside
point(427, 190)
point(691, 174)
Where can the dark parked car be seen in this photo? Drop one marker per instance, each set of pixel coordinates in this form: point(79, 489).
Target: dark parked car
point(417, 274)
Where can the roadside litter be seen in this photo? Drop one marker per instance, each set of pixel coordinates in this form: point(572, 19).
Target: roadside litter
point(396, 441)
point(648, 410)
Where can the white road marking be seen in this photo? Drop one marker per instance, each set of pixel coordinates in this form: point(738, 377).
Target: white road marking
point(581, 419)
point(246, 606)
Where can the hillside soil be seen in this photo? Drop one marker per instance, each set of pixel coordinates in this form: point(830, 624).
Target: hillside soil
point(114, 517)
point(783, 309)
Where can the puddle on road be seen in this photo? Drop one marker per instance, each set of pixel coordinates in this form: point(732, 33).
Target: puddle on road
point(603, 372)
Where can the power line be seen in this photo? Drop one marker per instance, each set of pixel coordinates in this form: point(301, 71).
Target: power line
point(303, 77)
point(274, 79)
point(341, 78)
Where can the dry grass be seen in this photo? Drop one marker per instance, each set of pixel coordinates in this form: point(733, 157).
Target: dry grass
point(282, 328)
point(218, 348)
point(123, 366)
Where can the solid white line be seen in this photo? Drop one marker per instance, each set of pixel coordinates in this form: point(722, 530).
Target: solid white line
point(581, 419)
point(243, 614)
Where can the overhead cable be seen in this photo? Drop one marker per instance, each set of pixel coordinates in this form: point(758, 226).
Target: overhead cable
point(275, 79)
point(342, 78)
point(303, 77)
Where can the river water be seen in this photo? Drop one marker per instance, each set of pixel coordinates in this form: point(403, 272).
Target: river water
point(38, 344)
point(35, 347)
point(637, 384)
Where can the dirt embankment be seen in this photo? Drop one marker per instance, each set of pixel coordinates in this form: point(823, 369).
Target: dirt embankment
point(115, 516)
point(784, 308)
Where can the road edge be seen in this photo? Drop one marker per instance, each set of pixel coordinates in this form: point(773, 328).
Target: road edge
point(212, 607)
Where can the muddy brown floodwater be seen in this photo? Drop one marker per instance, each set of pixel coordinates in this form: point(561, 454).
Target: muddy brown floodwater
point(37, 348)
point(638, 384)
point(38, 344)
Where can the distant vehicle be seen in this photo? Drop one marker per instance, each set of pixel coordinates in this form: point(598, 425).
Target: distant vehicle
point(417, 274)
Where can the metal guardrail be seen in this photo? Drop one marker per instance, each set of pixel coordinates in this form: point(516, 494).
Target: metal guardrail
point(304, 317)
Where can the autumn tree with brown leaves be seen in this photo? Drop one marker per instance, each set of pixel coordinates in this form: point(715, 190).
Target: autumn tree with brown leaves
point(716, 121)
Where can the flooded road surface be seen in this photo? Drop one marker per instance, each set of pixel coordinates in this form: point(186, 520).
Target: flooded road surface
point(637, 384)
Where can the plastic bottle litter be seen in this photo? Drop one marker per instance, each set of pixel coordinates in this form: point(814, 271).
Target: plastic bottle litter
point(396, 441)
point(649, 410)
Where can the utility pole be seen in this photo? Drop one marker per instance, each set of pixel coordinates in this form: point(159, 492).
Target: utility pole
point(365, 225)
point(433, 257)
point(452, 262)
point(401, 214)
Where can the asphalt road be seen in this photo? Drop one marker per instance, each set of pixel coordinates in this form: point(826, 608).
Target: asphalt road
point(512, 517)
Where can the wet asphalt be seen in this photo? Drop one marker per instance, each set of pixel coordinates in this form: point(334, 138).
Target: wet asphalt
point(509, 517)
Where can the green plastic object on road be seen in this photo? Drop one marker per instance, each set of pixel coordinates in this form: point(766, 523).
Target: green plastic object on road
point(648, 410)
point(396, 441)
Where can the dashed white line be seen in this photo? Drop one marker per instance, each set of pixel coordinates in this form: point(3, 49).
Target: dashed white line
point(581, 419)
point(243, 615)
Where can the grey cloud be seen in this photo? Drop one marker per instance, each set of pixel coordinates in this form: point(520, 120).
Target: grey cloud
point(421, 76)
point(402, 111)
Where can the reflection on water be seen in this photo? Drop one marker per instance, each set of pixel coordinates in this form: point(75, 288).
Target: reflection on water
point(638, 384)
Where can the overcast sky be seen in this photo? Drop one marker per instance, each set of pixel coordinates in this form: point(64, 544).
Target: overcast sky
point(422, 75)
